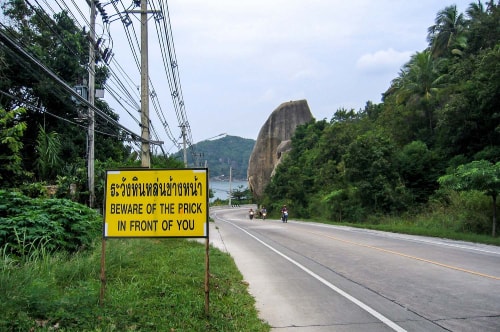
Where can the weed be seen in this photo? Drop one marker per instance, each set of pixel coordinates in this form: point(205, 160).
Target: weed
point(152, 285)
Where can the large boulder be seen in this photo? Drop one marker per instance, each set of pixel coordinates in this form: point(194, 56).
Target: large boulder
point(274, 141)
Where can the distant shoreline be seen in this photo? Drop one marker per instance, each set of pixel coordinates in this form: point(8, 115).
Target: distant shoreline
point(218, 179)
point(221, 188)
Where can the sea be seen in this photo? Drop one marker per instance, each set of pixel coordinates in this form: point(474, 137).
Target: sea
point(221, 188)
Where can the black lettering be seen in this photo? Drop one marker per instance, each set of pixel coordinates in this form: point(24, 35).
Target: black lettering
point(134, 224)
point(167, 208)
point(166, 224)
point(194, 208)
point(185, 224)
point(122, 225)
point(126, 208)
point(151, 208)
point(143, 225)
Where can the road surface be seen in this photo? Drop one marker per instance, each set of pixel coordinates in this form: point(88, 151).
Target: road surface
point(313, 277)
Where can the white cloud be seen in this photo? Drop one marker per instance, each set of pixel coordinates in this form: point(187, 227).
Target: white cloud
point(382, 61)
point(238, 60)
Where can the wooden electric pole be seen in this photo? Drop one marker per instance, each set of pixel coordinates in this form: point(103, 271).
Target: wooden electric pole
point(145, 154)
point(91, 94)
point(184, 145)
point(230, 180)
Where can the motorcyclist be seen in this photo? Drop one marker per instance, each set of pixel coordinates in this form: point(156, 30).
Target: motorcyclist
point(263, 213)
point(250, 214)
point(284, 214)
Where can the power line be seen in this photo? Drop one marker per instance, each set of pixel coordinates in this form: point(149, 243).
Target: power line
point(20, 51)
point(119, 84)
point(44, 110)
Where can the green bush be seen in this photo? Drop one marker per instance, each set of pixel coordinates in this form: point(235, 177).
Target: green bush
point(52, 224)
point(35, 189)
point(471, 211)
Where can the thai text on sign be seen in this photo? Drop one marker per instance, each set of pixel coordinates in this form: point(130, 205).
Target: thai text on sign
point(156, 203)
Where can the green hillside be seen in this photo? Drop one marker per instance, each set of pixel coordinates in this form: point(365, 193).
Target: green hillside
point(221, 154)
point(431, 148)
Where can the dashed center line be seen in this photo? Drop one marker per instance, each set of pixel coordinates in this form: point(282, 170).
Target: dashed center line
point(406, 255)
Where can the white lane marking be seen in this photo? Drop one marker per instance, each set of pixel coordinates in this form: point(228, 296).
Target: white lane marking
point(484, 248)
point(360, 304)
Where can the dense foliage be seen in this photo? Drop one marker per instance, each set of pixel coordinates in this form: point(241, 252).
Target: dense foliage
point(479, 175)
point(11, 132)
point(62, 47)
point(43, 131)
point(28, 224)
point(219, 155)
point(440, 112)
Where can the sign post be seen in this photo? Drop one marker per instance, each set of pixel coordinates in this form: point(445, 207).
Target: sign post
point(156, 203)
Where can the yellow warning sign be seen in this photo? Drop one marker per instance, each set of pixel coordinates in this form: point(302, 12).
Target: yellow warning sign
point(156, 203)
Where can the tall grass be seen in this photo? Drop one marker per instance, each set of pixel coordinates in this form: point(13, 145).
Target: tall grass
point(152, 285)
point(466, 216)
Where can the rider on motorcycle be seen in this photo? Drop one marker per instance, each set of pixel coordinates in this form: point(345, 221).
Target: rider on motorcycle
point(284, 214)
point(263, 213)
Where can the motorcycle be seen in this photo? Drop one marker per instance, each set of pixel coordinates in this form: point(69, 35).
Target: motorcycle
point(264, 215)
point(250, 215)
point(284, 216)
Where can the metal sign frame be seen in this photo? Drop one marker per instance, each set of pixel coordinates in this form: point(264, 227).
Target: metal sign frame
point(156, 203)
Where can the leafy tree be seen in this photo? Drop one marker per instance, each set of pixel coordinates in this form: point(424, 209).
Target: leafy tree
point(448, 34)
point(48, 147)
point(478, 175)
point(416, 89)
point(62, 47)
point(158, 161)
point(441, 110)
point(11, 133)
point(240, 194)
point(482, 26)
point(301, 166)
point(369, 167)
point(419, 169)
point(469, 121)
point(341, 205)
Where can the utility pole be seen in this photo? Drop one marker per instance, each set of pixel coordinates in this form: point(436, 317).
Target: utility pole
point(184, 145)
point(230, 180)
point(145, 123)
point(91, 93)
point(145, 154)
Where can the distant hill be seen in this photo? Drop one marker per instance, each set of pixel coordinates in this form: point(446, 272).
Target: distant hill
point(221, 154)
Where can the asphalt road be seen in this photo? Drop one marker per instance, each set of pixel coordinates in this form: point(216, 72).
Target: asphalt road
point(313, 277)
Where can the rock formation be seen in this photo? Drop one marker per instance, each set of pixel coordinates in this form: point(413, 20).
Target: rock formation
point(274, 141)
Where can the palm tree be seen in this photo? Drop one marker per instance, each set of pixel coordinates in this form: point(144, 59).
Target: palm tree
point(482, 25)
point(476, 11)
point(418, 85)
point(448, 33)
point(48, 148)
point(422, 78)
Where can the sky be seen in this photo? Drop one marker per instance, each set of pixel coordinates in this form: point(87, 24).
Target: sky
point(239, 60)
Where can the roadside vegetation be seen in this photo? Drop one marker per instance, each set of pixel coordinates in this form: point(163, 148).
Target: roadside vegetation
point(426, 160)
point(152, 285)
point(50, 276)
